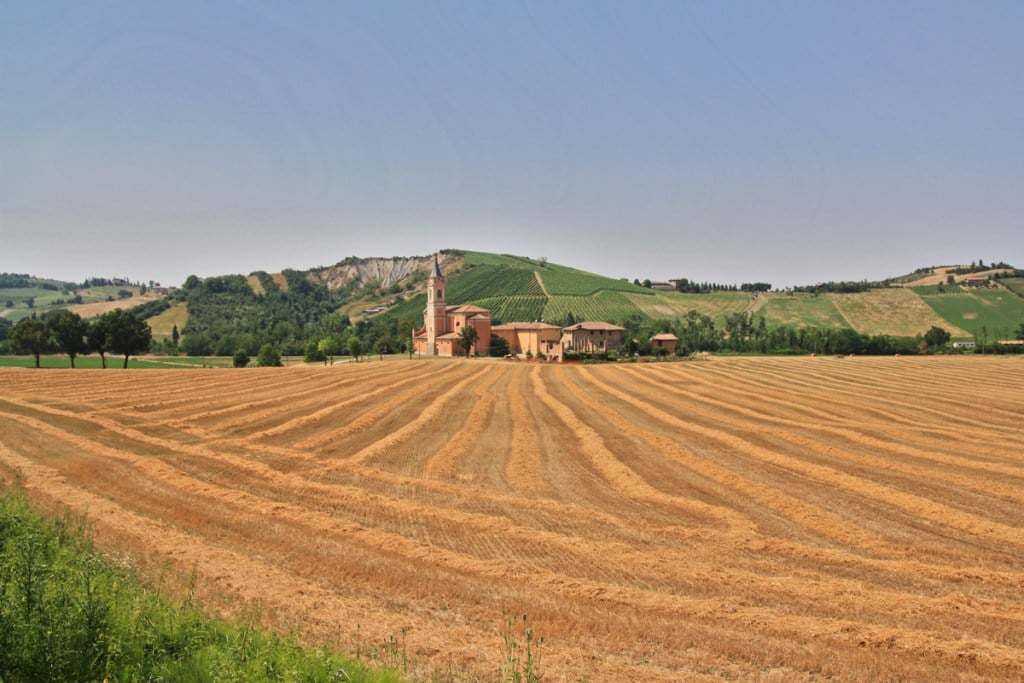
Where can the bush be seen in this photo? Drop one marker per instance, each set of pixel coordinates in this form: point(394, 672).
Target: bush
point(268, 356)
point(240, 359)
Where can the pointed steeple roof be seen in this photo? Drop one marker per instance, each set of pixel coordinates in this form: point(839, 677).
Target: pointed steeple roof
point(436, 272)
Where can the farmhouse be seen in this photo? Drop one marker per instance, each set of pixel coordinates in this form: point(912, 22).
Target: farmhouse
point(664, 341)
point(535, 338)
point(443, 324)
point(592, 337)
point(964, 345)
point(975, 282)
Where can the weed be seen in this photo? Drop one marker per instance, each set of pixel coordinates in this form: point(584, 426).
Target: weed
point(521, 658)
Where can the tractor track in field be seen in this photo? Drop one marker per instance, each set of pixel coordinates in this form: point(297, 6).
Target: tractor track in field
point(852, 517)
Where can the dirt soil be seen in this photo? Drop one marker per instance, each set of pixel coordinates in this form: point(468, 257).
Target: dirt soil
point(742, 518)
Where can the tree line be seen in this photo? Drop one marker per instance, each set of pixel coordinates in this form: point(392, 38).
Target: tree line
point(116, 332)
point(741, 333)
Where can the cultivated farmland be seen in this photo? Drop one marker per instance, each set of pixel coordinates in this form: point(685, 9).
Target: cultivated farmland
point(756, 518)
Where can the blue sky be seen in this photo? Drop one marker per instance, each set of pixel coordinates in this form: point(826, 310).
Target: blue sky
point(787, 142)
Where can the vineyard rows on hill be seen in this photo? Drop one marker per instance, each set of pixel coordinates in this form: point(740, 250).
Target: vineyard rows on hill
point(603, 306)
point(508, 309)
point(490, 281)
point(568, 282)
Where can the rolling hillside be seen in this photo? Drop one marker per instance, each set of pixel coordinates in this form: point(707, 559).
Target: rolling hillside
point(516, 288)
point(247, 309)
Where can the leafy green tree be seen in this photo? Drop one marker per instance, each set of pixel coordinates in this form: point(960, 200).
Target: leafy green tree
point(268, 357)
point(126, 333)
point(31, 336)
point(195, 345)
point(311, 352)
point(240, 359)
point(499, 346)
point(467, 338)
point(355, 347)
point(382, 346)
point(68, 331)
point(5, 332)
point(327, 348)
point(936, 337)
point(96, 338)
point(1020, 331)
point(406, 328)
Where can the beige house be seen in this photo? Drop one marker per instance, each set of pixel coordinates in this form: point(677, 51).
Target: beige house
point(592, 337)
point(536, 338)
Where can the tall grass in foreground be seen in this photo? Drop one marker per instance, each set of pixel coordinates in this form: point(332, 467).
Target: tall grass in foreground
point(69, 614)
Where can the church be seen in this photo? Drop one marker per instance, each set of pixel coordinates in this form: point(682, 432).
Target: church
point(443, 324)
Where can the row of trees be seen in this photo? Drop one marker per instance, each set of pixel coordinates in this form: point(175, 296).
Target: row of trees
point(739, 332)
point(117, 332)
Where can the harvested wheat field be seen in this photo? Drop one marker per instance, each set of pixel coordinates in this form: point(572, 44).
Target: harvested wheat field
point(769, 518)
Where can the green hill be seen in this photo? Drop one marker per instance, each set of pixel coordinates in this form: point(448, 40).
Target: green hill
point(381, 298)
point(517, 288)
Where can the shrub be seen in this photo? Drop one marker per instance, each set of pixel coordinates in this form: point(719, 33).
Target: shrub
point(268, 356)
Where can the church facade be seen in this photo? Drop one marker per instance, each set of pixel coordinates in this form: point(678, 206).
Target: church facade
point(443, 324)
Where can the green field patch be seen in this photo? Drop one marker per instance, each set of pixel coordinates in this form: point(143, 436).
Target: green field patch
point(23, 294)
point(996, 310)
point(897, 311)
point(92, 362)
point(1014, 284)
point(801, 310)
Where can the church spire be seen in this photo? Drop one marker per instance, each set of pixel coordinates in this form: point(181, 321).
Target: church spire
point(436, 272)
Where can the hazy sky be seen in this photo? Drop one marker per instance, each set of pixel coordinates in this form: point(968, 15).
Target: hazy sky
point(787, 142)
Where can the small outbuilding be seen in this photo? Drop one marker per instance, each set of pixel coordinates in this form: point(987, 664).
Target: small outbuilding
point(665, 340)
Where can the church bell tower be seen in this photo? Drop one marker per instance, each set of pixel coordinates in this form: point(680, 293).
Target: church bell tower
point(435, 315)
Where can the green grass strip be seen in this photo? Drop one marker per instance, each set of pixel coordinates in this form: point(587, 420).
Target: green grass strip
point(67, 613)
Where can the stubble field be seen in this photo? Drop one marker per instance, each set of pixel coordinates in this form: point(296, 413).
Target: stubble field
point(780, 519)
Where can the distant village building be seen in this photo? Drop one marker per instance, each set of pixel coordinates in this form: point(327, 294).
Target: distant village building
point(442, 324)
point(536, 338)
point(592, 337)
point(664, 341)
point(964, 345)
point(664, 286)
point(975, 282)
